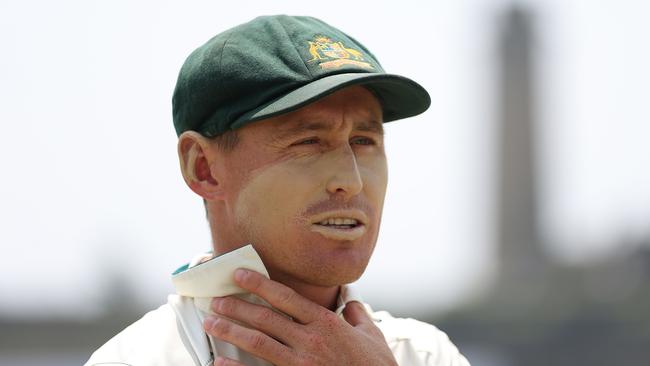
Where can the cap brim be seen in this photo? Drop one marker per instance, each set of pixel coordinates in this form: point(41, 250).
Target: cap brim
point(399, 96)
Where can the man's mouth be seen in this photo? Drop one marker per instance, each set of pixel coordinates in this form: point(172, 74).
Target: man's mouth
point(343, 226)
point(340, 223)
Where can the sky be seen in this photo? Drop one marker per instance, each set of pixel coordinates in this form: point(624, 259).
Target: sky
point(91, 184)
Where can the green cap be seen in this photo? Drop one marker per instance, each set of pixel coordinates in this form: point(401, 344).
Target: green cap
point(276, 64)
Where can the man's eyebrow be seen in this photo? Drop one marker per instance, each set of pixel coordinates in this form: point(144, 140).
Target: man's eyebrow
point(370, 126)
point(302, 126)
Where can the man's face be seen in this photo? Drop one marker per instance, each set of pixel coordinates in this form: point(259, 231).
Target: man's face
point(307, 188)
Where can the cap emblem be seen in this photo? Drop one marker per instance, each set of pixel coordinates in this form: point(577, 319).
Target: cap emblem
point(330, 54)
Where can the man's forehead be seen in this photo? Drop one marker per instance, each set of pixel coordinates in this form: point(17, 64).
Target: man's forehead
point(293, 126)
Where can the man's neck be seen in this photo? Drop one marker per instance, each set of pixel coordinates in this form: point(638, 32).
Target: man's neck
point(326, 297)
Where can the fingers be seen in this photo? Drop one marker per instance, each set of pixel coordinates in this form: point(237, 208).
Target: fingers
point(355, 314)
point(250, 340)
point(222, 361)
point(258, 317)
point(280, 296)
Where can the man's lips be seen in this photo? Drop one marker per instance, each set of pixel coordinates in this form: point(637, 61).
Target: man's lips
point(350, 214)
point(344, 225)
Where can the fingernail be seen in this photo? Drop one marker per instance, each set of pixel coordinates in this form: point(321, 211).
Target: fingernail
point(239, 274)
point(209, 322)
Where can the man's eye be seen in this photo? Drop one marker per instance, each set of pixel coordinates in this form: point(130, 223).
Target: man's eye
point(362, 141)
point(309, 141)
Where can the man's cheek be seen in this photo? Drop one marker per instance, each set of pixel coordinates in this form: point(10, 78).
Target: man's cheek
point(375, 180)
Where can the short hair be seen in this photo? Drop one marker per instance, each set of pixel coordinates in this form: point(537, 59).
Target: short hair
point(226, 142)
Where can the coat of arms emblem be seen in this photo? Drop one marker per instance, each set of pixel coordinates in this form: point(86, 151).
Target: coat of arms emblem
point(330, 54)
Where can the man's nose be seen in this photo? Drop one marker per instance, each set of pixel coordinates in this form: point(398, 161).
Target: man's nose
point(345, 179)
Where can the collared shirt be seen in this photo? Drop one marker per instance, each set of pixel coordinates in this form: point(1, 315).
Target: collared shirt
point(173, 334)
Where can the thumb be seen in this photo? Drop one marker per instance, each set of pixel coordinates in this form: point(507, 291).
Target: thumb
point(355, 314)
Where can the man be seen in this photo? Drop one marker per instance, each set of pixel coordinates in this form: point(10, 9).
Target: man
point(280, 132)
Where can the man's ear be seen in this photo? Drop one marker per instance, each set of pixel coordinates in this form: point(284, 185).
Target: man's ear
point(198, 157)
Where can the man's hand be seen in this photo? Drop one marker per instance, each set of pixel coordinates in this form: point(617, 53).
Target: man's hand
point(316, 336)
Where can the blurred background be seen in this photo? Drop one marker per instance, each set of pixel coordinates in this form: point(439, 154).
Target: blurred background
point(517, 216)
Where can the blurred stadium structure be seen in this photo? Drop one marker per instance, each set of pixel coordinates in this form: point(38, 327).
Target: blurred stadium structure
point(539, 311)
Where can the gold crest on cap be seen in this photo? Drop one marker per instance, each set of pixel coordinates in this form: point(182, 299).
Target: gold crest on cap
point(330, 54)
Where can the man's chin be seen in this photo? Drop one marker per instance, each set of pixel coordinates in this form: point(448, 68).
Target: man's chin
point(317, 275)
point(332, 276)
point(316, 260)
